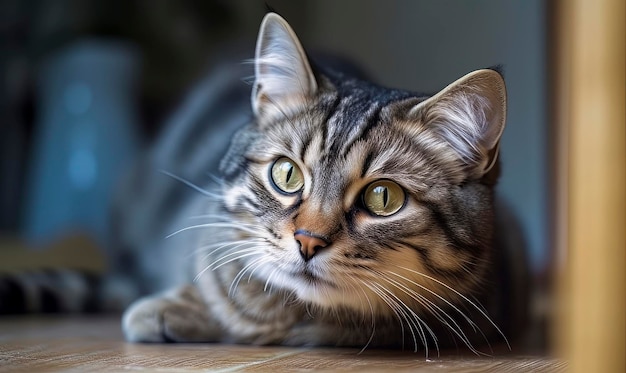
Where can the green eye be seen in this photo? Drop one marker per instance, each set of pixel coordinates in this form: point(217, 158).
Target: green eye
point(286, 176)
point(383, 197)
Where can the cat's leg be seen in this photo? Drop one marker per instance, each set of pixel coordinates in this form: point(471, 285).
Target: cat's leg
point(179, 315)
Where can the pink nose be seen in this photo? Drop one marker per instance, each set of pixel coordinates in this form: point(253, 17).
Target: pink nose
point(310, 244)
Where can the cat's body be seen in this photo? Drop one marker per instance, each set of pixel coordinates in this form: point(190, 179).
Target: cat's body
point(348, 214)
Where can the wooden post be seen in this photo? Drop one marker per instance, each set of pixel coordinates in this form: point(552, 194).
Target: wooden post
point(591, 101)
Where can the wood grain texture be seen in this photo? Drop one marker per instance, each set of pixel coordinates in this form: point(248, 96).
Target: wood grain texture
point(591, 117)
point(82, 344)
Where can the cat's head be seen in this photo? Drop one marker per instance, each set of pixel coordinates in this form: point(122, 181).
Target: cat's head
point(359, 196)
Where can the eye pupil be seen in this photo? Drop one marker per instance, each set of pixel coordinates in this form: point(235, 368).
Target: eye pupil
point(385, 197)
point(289, 173)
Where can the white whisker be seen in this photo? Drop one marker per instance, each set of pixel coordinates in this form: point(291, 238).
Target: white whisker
point(237, 279)
point(480, 310)
point(223, 245)
point(431, 304)
point(216, 225)
point(217, 180)
point(237, 255)
point(416, 320)
point(373, 318)
point(395, 308)
point(426, 303)
point(223, 219)
point(192, 185)
point(269, 279)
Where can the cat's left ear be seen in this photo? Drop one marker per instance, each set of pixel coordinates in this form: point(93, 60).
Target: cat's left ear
point(469, 115)
point(283, 77)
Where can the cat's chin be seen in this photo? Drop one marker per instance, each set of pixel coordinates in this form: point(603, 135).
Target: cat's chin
point(315, 290)
point(323, 296)
point(312, 284)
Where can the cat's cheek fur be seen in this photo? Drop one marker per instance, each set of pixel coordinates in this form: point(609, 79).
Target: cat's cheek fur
point(412, 270)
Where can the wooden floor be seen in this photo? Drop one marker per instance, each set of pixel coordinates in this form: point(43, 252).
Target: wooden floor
point(84, 344)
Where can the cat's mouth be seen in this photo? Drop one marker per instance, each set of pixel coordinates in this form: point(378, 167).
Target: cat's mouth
point(315, 288)
point(311, 278)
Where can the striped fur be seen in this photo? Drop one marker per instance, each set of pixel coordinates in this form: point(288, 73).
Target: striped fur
point(49, 291)
point(416, 278)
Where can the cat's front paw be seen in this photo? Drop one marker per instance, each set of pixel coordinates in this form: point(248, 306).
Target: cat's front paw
point(175, 316)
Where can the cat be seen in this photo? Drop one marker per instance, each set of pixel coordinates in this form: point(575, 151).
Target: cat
point(346, 214)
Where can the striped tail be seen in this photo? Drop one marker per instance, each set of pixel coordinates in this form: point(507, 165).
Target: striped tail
point(50, 291)
point(68, 277)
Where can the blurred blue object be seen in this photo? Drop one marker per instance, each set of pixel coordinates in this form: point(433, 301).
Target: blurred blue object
point(86, 135)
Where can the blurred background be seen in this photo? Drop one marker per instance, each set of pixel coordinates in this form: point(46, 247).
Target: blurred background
point(86, 86)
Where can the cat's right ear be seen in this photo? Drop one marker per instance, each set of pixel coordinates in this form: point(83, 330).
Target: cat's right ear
point(284, 80)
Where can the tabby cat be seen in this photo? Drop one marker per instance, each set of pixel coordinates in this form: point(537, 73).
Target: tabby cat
point(347, 214)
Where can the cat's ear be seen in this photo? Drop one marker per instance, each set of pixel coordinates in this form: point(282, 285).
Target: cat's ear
point(469, 115)
point(283, 77)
